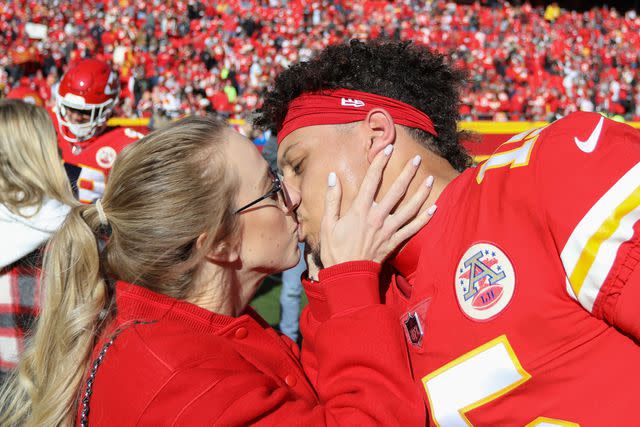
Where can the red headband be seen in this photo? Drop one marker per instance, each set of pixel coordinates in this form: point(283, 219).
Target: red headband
point(333, 107)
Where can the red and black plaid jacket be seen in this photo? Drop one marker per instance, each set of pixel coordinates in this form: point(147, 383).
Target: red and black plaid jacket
point(19, 304)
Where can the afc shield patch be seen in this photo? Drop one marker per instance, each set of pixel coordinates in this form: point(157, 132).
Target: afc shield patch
point(484, 281)
point(106, 156)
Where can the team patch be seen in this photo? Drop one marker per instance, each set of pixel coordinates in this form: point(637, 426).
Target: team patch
point(413, 323)
point(414, 328)
point(485, 281)
point(105, 157)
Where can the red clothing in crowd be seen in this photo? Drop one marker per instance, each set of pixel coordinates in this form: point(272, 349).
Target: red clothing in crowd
point(192, 367)
point(19, 296)
point(520, 299)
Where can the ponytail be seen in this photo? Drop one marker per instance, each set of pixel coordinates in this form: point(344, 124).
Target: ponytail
point(151, 244)
point(76, 303)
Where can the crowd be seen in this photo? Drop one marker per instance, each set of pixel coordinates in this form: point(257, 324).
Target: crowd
point(152, 259)
point(185, 56)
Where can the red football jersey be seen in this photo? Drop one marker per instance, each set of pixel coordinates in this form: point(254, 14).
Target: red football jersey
point(520, 300)
point(88, 163)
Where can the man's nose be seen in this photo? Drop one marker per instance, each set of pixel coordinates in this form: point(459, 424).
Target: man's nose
point(292, 194)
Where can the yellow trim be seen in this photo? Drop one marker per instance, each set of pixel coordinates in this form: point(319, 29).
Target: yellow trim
point(605, 231)
point(553, 421)
point(480, 159)
point(514, 128)
point(126, 121)
point(482, 126)
point(144, 121)
point(502, 339)
point(511, 163)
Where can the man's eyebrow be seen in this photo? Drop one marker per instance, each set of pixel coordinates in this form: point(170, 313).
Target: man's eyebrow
point(286, 151)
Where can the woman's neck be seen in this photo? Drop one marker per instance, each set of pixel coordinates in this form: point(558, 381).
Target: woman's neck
point(225, 291)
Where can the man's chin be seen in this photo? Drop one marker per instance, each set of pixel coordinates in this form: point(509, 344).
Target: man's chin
point(311, 249)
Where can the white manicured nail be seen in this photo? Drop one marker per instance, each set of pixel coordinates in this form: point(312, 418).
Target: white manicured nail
point(332, 179)
point(429, 182)
point(388, 149)
point(432, 209)
point(416, 160)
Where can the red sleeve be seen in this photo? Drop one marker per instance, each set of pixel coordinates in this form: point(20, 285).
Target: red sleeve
point(363, 378)
point(588, 177)
point(332, 296)
point(308, 328)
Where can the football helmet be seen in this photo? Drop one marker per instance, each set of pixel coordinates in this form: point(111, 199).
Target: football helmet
point(91, 87)
point(26, 94)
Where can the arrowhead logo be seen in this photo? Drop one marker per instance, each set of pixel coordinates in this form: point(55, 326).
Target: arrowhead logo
point(348, 102)
point(590, 144)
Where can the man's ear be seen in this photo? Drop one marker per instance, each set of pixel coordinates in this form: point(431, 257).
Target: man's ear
point(382, 129)
point(219, 253)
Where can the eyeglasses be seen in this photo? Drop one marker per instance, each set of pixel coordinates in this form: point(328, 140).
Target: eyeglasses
point(275, 189)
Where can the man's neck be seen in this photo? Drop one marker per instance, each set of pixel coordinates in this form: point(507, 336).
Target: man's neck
point(431, 165)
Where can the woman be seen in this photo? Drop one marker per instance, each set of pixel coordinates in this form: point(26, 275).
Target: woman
point(194, 222)
point(34, 199)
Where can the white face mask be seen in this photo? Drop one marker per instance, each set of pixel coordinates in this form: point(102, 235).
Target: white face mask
point(78, 132)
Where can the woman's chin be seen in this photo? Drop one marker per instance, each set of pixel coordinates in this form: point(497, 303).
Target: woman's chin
point(294, 258)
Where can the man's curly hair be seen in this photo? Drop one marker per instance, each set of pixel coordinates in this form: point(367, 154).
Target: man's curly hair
point(400, 70)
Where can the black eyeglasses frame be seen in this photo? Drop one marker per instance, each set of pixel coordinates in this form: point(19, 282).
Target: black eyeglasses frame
point(277, 187)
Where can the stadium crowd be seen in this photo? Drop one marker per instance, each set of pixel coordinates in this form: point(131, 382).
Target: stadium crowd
point(185, 56)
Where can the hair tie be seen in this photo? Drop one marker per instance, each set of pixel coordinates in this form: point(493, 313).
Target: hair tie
point(101, 215)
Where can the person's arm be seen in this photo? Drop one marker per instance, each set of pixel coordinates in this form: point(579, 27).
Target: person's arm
point(366, 231)
point(588, 175)
point(363, 379)
point(309, 324)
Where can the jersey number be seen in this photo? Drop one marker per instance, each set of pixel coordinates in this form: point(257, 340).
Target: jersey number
point(514, 158)
point(475, 379)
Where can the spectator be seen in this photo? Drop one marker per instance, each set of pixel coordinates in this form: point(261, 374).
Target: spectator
point(34, 199)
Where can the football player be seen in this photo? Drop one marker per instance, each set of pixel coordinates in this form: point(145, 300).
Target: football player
point(85, 99)
point(520, 300)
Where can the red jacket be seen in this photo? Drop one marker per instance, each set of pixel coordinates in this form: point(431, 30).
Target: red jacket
point(192, 367)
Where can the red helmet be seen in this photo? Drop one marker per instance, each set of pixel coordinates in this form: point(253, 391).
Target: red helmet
point(92, 86)
point(26, 94)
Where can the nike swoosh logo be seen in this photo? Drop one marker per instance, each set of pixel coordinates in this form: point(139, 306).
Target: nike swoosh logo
point(590, 144)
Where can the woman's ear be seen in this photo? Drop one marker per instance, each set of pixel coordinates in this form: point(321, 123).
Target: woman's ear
point(219, 253)
point(382, 129)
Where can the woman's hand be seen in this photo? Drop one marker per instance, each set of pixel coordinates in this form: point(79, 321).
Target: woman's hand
point(368, 231)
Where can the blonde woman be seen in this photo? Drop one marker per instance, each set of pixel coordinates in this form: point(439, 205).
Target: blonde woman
point(34, 199)
point(155, 329)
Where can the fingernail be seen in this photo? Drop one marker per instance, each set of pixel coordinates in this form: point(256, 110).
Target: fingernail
point(416, 160)
point(432, 209)
point(332, 179)
point(429, 181)
point(388, 149)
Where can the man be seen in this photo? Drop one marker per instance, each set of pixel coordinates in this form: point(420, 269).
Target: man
point(519, 300)
point(85, 100)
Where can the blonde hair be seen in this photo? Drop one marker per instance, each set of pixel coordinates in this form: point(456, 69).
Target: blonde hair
point(30, 166)
point(164, 191)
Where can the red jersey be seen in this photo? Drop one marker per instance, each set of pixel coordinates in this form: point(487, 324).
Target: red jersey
point(88, 163)
point(520, 300)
